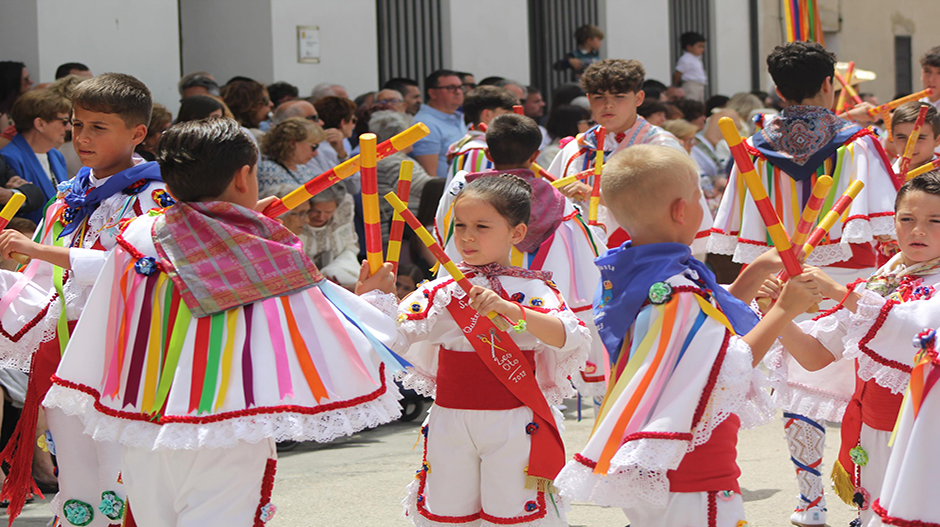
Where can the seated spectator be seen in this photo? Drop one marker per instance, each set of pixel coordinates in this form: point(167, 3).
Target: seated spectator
point(441, 115)
point(692, 111)
point(198, 83)
point(42, 120)
point(11, 183)
point(338, 116)
point(514, 87)
point(653, 111)
point(14, 81)
point(325, 89)
point(385, 124)
point(200, 107)
point(249, 103)
point(565, 121)
point(160, 120)
point(73, 68)
point(409, 90)
point(365, 100)
point(468, 81)
point(480, 107)
point(533, 106)
point(285, 150)
point(326, 157)
point(281, 92)
point(683, 130)
point(745, 105)
point(566, 93)
point(391, 99)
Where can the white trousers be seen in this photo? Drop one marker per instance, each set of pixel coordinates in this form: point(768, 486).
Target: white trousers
point(87, 469)
point(216, 487)
point(476, 472)
point(875, 443)
point(692, 509)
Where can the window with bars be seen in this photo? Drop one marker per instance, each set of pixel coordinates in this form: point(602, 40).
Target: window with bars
point(903, 69)
point(410, 40)
point(552, 24)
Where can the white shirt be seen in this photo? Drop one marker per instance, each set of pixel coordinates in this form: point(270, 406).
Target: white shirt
point(935, 104)
point(44, 161)
point(691, 68)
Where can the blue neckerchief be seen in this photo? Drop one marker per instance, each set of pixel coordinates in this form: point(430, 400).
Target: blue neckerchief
point(629, 272)
point(801, 138)
point(83, 198)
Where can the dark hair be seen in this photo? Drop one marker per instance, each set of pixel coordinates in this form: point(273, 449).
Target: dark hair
point(198, 159)
point(198, 107)
point(66, 69)
point(492, 80)
point(240, 78)
point(11, 79)
point(532, 90)
point(653, 89)
point(566, 93)
point(716, 101)
point(928, 182)
point(587, 32)
point(509, 194)
point(931, 58)
point(614, 76)
point(486, 98)
point(431, 80)
point(512, 139)
point(399, 84)
point(651, 106)
point(691, 109)
point(907, 113)
point(334, 110)
point(116, 93)
point(244, 98)
point(800, 68)
point(281, 89)
point(360, 101)
point(690, 38)
point(564, 120)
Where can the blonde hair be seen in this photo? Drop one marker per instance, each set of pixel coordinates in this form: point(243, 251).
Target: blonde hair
point(681, 128)
point(278, 143)
point(635, 174)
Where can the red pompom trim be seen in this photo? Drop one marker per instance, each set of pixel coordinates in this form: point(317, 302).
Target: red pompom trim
point(267, 485)
point(890, 520)
point(862, 344)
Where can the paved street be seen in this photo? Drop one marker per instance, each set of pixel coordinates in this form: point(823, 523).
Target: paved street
point(358, 481)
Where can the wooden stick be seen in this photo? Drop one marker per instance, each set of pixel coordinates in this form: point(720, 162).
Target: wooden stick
point(598, 168)
point(6, 214)
point(923, 169)
point(370, 201)
point(898, 102)
point(905, 163)
point(398, 224)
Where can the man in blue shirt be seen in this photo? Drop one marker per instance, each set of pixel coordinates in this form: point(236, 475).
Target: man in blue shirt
point(444, 91)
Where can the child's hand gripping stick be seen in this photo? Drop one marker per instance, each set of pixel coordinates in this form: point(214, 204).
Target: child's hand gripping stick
point(9, 210)
point(438, 252)
point(344, 170)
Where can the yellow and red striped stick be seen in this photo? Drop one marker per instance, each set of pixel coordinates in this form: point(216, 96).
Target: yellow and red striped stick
point(598, 168)
point(517, 109)
point(849, 71)
point(9, 210)
point(846, 86)
point(370, 201)
point(886, 117)
point(905, 163)
point(439, 253)
point(542, 173)
point(567, 180)
point(343, 171)
point(747, 172)
point(923, 169)
point(398, 224)
point(811, 210)
point(898, 102)
point(841, 205)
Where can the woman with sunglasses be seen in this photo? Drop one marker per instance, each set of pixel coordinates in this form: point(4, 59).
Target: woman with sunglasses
point(286, 151)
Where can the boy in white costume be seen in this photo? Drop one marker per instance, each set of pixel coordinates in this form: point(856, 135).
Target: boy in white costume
point(683, 351)
point(40, 305)
point(614, 90)
point(210, 336)
point(492, 440)
point(558, 239)
point(480, 106)
point(792, 150)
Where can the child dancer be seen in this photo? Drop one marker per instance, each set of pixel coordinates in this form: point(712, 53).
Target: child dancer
point(491, 443)
point(109, 119)
point(209, 336)
point(558, 239)
point(898, 300)
point(684, 350)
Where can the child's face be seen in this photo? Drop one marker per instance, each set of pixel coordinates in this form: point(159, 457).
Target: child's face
point(930, 78)
point(482, 235)
point(696, 49)
point(917, 222)
point(594, 43)
point(923, 148)
point(103, 141)
point(615, 111)
point(404, 285)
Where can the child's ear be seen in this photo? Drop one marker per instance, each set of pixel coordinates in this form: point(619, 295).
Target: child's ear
point(936, 140)
point(486, 152)
point(140, 133)
point(640, 97)
point(677, 211)
point(519, 232)
point(534, 157)
point(241, 179)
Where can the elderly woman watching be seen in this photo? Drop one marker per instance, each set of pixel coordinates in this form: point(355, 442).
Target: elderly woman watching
point(385, 124)
point(249, 103)
point(286, 150)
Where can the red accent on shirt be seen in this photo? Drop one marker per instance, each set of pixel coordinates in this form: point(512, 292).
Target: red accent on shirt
point(712, 466)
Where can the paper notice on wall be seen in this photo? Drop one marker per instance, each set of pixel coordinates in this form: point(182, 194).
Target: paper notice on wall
point(308, 44)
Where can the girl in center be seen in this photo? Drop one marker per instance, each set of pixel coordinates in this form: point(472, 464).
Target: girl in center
point(492, 443)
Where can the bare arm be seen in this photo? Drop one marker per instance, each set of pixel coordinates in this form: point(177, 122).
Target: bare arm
point(543, 326)
point(429, 163)
point(799, 293)
point(14, 242)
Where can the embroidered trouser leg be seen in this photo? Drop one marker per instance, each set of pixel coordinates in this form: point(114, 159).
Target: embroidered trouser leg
point(200, 488)
point(88, 474)
point(692, 509)
point(806, 440)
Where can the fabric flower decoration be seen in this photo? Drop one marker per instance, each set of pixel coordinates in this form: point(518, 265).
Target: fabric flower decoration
point(267, 513)
point(531, 506)
point(45, 442)
point(111, 505)
point(660, 293)
point(531, 428)
point(146, 266)
point(78, 512)
point(859, 456)
point(163, 198)
point(861, 498)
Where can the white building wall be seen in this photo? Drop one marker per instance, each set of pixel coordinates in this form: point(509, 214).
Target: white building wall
point(487, 38)
point(640, 31)
point(137, 37)
point(18, 28)
point(731, 47)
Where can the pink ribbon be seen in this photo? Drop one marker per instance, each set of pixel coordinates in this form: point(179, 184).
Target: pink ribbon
point(284, 383)
point(325, 308)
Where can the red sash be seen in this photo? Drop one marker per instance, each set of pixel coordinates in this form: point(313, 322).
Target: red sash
point(507, 363)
